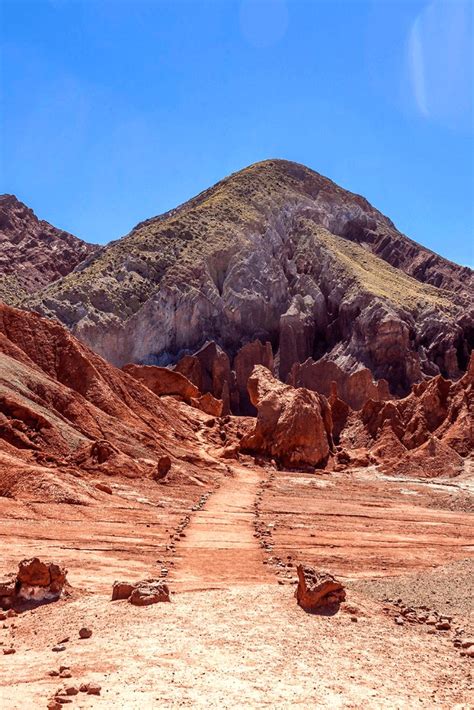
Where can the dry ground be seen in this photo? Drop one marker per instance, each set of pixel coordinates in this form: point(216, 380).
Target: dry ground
point(233, 636)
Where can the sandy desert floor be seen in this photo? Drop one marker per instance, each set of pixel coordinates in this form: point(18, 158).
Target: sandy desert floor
point(233, 635)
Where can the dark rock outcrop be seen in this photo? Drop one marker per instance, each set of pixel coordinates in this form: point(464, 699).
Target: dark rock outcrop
point(33, 253)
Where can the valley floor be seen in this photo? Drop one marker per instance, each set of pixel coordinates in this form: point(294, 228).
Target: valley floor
point(233, 635)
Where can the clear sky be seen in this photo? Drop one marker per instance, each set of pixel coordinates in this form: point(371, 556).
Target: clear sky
point(115, 111)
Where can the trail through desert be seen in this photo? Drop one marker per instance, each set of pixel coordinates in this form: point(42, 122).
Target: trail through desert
point(232, 636)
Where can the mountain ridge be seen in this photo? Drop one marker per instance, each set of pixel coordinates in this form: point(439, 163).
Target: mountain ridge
point(34, 253)
point(277, 252)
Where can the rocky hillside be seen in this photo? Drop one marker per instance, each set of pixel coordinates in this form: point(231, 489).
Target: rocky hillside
point(33, 253)
point(66, 415)
point(280, 253)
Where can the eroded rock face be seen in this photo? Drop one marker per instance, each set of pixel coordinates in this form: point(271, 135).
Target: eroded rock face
point(163, 381)
point(35, 583)
point(355, 389)
point(317, 591)
point(293, 425)
point(33, 253)
point(63, 409)
point(279, 253)
point(428, 433)
point(209, 404)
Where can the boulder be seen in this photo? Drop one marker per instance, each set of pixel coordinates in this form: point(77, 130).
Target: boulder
point(251, 354)
point(163, 381)
point(317, 591)
point(35, 573)
point(122, 590)
point(293, 425)
point(150, 591)
point(35, 583)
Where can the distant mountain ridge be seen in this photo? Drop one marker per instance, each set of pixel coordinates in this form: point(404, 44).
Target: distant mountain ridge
point(280, 253)
point(33, 253)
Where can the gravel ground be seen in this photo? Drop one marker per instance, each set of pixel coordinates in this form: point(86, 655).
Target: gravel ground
point(448, 589)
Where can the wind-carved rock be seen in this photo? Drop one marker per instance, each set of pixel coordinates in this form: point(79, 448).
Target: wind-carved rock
point(293, 425)
point(428, 433)
point(163, 381)
point(35, 583)
point(250, 355)
point(318, 591)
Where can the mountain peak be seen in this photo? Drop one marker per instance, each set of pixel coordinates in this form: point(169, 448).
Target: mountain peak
point(278, 252)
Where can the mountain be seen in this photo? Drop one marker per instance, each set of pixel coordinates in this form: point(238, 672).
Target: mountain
point(33, 253)
point(280, 253)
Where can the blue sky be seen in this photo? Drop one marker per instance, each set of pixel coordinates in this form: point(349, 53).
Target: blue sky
point(114, 111)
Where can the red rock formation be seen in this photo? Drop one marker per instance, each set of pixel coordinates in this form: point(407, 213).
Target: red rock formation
point(251, 354)
point(209, 369)
point(208, 404)
point(163, 381)
point(35, 583)
point(293, 425)
point(33, 253)
point(317, 590)
point(355, 388)
point(64, 409)
point(428, 433)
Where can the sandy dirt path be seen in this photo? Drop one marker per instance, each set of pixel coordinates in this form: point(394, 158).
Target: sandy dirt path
point(220, 549)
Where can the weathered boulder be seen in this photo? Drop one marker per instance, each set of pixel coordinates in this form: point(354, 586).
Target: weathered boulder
point(35, 573)
point(35, 583)
point(163, 381)
point(162, 468)
point(318, 590)
point(144, 593)
point(251, 354)
point(293, 425)
point(122, 590)
point(150, 591)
